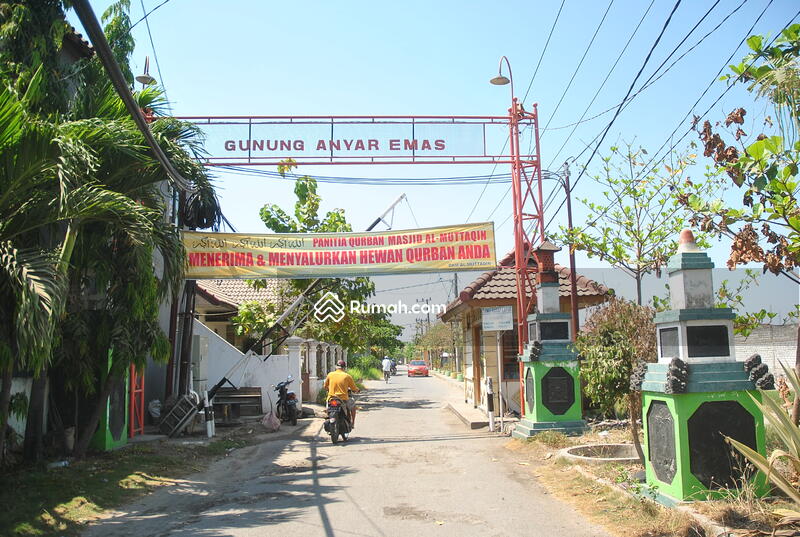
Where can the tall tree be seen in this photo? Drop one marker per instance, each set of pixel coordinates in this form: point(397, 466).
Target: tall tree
point(762, 173)
point(372, 332)
point(81, 189)
point(636, 226)
point(615, 343)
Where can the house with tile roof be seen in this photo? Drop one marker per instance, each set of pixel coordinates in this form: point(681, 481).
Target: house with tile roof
point(219, 347)
point(218, 301)
point(494, 354)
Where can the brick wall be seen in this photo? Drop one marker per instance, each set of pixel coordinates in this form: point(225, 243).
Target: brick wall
point(775, 343)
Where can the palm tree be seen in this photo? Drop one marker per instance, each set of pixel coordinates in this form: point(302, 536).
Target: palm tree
point(43, 191)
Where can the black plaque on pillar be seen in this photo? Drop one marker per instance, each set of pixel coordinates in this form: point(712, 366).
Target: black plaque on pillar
point(707, 340)
point(530, 395)
point(661, 441)
point(554, 330)
point(713, 462)
point(558, 390)
point(668, 341)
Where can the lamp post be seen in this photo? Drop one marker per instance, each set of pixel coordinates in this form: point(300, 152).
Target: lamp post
point(520, 257)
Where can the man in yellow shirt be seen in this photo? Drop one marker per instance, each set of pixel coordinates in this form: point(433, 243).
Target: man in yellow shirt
point(338, 383)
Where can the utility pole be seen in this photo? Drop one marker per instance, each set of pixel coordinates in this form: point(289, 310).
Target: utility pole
point(573, 279)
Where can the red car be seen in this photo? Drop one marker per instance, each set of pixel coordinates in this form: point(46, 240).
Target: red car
point(417, 368)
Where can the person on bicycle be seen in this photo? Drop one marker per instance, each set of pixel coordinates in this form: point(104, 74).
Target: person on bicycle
point(387, 368)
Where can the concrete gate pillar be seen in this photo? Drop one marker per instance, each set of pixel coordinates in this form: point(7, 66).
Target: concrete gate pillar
point(295, 363)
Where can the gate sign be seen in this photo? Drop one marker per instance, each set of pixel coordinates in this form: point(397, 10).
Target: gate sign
point(325, 140)
point(497, 319)
point(334, 255)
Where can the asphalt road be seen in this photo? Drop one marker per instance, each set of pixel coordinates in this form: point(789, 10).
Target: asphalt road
point(410, 468)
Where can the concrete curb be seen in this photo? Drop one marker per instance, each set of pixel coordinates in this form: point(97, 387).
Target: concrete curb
point(472, 424)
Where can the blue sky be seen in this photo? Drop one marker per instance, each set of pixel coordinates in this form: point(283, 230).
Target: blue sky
point(416, 58)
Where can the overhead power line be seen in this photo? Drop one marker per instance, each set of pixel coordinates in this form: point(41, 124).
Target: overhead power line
point(719, 98)
point(524, 98)
point(144, 18)
point(155, 57)
point(541, 56)
point(580, 63)
point(602, 84)
point(705, 91)
point(630, 89)
point(657, 78)
point(653, 78)
point(95, 33)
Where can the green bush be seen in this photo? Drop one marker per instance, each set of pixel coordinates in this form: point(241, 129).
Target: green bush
point(364, 362)
point(360, 374)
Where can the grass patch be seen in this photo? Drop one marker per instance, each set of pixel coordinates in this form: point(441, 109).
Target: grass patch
point(552, 439)
point(41, 502)
point(601, 502)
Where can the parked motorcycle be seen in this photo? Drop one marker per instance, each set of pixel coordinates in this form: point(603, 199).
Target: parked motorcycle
point(337, 424)
point(286, 409)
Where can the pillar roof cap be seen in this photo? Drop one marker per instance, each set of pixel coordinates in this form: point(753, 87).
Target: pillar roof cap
point(686, 242)
point(548, 246)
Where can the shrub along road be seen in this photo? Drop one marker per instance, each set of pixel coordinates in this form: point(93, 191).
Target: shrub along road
point(410, 468)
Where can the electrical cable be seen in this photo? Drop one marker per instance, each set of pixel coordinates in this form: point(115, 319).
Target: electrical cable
point(379, 181)
point(527, 91)
point(409, 286)
point(148, 14)
point(710, 85)
point(95, 33)
point(155, 57)
point(630, 89)
point(730, 86)
point(541, 56)
point(580, 63)
point(602, 84)
point(652, 80)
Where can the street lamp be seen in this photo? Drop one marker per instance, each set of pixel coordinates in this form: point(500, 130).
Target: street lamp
point(501, 80)
point(145, 79)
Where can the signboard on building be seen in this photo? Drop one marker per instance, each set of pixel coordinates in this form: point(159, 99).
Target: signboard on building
point(335, 255)
point(497, 319)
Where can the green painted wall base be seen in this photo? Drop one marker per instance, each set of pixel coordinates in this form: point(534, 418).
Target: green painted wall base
point(112, 430)
point(671, 415)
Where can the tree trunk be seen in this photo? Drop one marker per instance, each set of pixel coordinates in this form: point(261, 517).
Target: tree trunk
point(639, 288)
point(634, 406)
point(87, 431)
point(33, 448)
point(796, 405)
point(5, 399)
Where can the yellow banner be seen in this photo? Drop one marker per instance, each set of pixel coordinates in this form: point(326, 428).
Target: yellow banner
point(333, 255)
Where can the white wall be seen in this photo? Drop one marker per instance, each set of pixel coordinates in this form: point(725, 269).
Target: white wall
point(222, 356)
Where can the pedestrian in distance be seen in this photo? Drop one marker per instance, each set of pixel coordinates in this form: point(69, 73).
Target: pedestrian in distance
point(387, 368)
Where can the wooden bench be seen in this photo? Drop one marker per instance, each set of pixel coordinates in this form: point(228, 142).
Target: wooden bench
point(232, 403)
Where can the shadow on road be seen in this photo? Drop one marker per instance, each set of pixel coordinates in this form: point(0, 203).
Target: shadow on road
point(291, 482)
